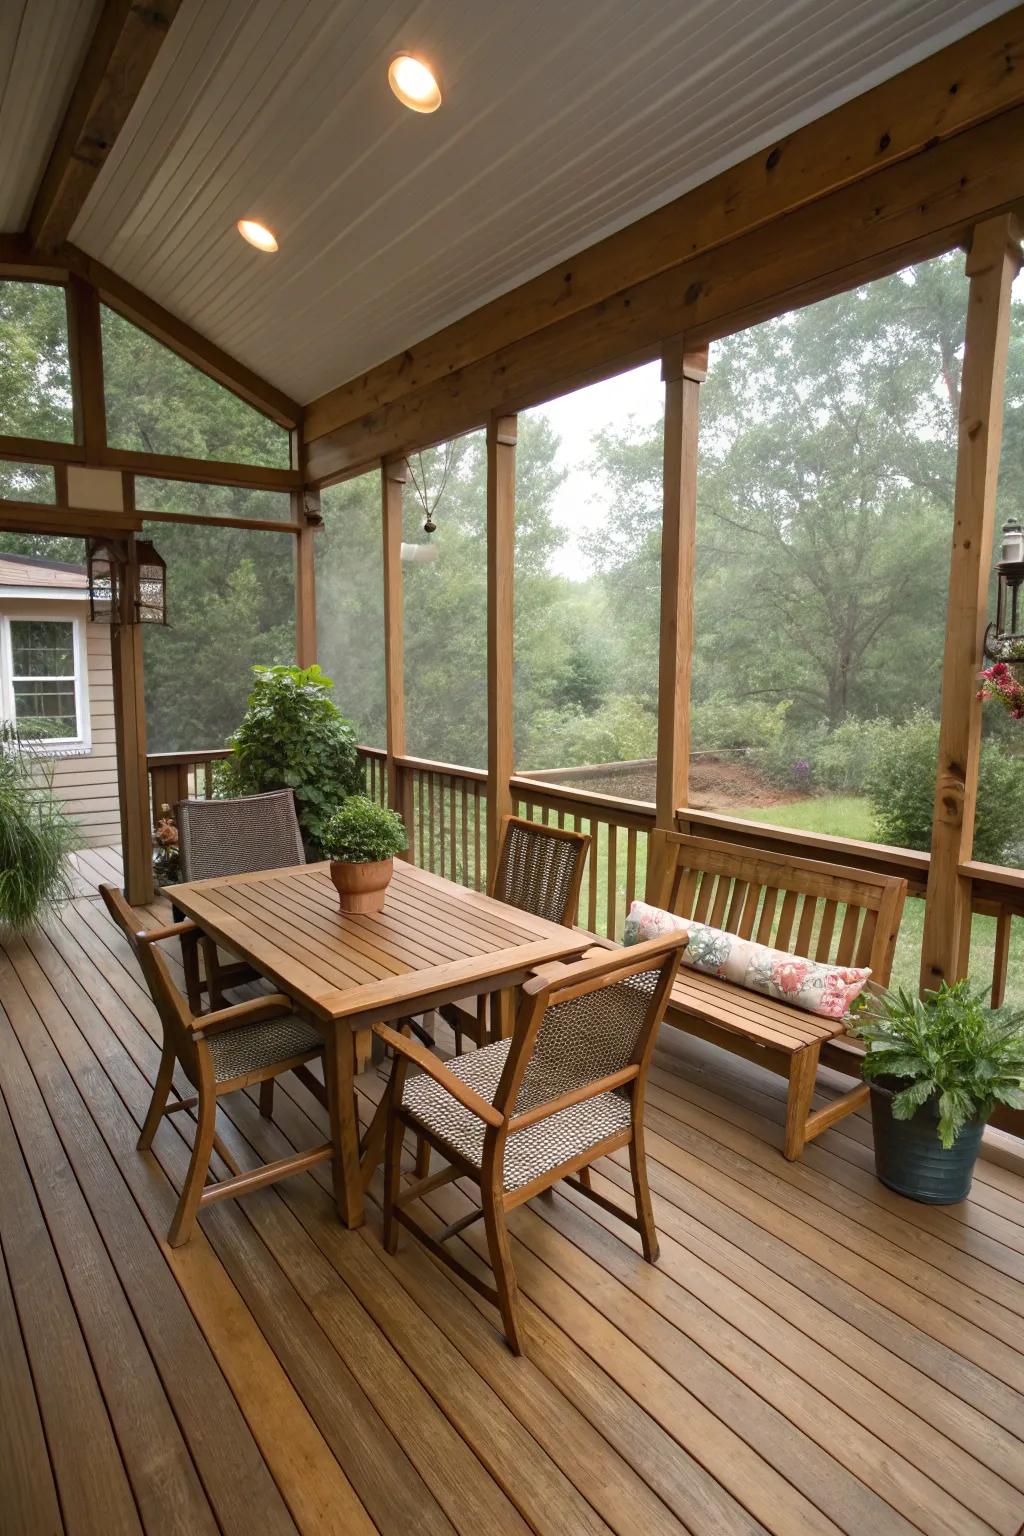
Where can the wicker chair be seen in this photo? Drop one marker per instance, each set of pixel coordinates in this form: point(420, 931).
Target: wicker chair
point(521, 1114)
point(539, 870)
point(252, 1042)
point(231, 837)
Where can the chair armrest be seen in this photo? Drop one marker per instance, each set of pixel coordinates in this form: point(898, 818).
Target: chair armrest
point(554, 969)
point(256, 1010)
point(171, 931)
point(414, 1052)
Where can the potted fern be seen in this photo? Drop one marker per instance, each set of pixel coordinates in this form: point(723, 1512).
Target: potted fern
point(361, 840)
point(937, 1065)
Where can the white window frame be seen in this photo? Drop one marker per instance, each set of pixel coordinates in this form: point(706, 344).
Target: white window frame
point(48, 746)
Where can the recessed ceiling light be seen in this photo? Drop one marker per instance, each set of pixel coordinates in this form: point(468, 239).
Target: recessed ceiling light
point(257, 234)
point(414, 84)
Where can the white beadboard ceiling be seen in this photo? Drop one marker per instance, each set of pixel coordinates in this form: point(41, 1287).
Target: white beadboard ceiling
point(562, 121)
point(42, 44)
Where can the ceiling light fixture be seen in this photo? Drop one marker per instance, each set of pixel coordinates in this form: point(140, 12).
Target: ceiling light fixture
point(414, 83)
point(257, 234)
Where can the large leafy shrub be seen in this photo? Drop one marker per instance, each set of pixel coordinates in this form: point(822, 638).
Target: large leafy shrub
point(362, 832)
point(843, 763)
point(294, 737)
point(946, 1046)
point(36, 837)
point(901, 788)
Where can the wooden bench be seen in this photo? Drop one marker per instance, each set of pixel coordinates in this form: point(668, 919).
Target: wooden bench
point(823, 911)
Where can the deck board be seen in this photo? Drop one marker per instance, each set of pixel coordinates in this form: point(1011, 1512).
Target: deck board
point(812, 1353)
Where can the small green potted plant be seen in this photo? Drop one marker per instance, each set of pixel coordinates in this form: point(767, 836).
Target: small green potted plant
point(361, 840)
point(937, 1065)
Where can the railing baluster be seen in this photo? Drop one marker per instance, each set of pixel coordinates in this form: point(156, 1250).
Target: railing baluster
point(612, 894)
point(1001, 957)
point(595, 833)
point(453, 827)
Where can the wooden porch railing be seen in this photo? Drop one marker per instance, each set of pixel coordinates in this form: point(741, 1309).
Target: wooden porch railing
point(445, 806)
point(177, 776)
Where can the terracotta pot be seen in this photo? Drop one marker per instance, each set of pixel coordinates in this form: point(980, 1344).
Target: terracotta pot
point(362, 887)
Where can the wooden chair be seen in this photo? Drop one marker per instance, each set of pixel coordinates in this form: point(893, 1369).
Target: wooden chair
point(539, 870)
point(251, 1042)
point(828, 912)
point(520, 1114)
point(231, 837)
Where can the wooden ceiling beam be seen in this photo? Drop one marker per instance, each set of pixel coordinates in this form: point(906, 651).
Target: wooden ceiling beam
point(67, 522)
point(183, 339)
point(907, 212)
point(962, 85)
point(121, 52)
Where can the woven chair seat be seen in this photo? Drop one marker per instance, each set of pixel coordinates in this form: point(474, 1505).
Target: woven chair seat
point(251, 1047)
point(528, 1153)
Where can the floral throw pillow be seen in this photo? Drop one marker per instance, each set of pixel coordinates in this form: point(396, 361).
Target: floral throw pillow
point(811, 985)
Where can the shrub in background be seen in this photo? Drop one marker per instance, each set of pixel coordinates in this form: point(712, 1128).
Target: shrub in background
point(294, 736)
point(36, 837)
point(901, 788)
point(843, 762)
point(722, 722)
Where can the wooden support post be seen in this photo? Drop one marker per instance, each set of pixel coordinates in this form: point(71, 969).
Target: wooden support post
point(85, 348)
point(683, 369)
point(130, 723)
point(501, 548)
point(305, 503)
point(393, 476)
point(992, 265)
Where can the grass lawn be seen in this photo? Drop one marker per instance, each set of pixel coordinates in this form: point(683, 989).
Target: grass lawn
point(840, 815)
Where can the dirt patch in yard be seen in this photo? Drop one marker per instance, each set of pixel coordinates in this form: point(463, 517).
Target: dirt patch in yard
point(716, 783)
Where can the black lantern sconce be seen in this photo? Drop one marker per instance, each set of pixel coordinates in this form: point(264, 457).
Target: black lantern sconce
point(1004, 639)
point(151, 589)
point(126, 590)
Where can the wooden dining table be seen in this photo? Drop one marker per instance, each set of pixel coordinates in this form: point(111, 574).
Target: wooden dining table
point(433, 943)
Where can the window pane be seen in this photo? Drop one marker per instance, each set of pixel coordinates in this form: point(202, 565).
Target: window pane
point(27, 482)
point(35, 375)
point(231, 605)
point(45, 709)
point(588, 545)
point(42, 648)
point(158, 402)
point(824, 517)
point(200, 500)
point(350, 603)
point(446, 604)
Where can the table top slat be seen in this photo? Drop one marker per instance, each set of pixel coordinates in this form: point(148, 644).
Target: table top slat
point(432, 937)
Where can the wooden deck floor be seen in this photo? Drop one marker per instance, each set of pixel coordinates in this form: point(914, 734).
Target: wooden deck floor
point(811, 1355)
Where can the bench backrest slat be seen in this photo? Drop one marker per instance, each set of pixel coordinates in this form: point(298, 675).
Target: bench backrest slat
point(809, 907)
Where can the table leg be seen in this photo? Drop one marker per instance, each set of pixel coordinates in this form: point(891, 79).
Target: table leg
point(503, 1013)
point(348, 1183)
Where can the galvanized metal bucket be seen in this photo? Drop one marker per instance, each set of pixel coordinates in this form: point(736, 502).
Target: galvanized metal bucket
point(910, 1158)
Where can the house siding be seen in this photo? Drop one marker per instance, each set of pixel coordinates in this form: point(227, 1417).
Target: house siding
point(87, 783)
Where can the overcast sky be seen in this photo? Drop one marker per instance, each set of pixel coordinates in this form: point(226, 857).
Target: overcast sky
point(582, 502)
